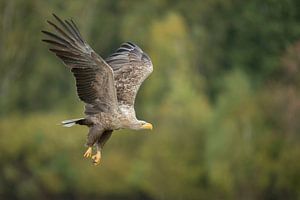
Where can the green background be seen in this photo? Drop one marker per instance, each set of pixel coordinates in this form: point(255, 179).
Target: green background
point(224, 100)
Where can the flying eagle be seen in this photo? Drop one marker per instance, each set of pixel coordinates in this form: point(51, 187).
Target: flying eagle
point(108, 87)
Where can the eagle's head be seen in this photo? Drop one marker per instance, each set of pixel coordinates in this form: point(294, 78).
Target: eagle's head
point(141, 125)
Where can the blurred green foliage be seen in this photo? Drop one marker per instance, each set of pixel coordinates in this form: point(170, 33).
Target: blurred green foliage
point(224, 100)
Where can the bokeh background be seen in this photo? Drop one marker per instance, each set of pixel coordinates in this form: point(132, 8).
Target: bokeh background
point(224, 99)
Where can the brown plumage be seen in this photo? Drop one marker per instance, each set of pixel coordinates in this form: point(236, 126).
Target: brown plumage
point(108, 87)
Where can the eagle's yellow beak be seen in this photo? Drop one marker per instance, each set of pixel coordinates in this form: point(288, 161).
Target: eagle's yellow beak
point(147, 126)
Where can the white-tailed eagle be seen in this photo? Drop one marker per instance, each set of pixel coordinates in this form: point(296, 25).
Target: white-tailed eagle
point(108, 87)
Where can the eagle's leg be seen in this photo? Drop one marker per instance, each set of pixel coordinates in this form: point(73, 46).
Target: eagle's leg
point(97, 157)
point(94, 133)
point(99, 145)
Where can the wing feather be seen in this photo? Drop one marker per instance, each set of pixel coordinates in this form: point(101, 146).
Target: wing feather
point(131, 67)
point(94, 77)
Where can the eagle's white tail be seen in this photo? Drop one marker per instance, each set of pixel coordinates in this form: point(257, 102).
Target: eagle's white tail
point(71, 122)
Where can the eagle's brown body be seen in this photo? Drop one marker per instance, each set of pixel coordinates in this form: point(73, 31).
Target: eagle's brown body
point(107, 86)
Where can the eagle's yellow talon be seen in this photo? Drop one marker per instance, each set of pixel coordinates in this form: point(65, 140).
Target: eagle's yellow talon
point(96, 158)
point(88, 152)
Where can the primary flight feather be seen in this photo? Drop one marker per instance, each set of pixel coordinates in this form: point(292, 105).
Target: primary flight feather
point(108, 87)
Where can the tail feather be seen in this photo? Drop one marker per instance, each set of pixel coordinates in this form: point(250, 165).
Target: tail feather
point(71, 122)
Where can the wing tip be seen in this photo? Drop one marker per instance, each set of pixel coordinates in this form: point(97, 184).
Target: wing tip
point(54, 15)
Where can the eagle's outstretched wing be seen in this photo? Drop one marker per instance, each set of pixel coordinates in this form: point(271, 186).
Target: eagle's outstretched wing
point(94, 77)
point(131, 67)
